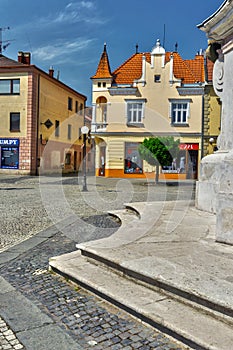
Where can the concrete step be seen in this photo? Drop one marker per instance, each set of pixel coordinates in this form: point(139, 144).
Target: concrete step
point(196, 325)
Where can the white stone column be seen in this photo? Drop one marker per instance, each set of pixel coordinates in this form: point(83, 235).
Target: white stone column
point(215, 186)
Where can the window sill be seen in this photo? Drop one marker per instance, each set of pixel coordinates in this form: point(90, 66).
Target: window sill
point(135, 125)
point(183, 125)
point(14, 130)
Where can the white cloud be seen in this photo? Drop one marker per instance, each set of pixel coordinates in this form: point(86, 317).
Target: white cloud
point(87, 4)
point(61, 48)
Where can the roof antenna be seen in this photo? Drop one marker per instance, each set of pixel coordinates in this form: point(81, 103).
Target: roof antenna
point(164, 34)
point(176, 47)
point(3, 47)
point(136, 48)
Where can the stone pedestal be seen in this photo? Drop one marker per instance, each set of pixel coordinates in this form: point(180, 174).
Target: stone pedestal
point(215, 186)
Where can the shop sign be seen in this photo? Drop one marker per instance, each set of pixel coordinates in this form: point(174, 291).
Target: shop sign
point(9, 142)
point(189, 146)
point(9, 152)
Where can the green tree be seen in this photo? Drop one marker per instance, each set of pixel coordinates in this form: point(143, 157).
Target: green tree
point(159, 151)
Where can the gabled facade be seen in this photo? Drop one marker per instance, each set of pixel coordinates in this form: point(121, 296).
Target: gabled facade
point(38, 112)
point(151, 94)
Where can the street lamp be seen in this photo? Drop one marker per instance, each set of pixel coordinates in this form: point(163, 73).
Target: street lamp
point(84, 131)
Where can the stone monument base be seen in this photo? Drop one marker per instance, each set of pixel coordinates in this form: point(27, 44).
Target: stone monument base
point(215, 192)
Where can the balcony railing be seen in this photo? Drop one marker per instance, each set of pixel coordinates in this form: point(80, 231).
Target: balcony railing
point(98, 127)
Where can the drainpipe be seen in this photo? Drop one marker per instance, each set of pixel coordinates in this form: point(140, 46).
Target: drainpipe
point(37, 125)
point(202, 125)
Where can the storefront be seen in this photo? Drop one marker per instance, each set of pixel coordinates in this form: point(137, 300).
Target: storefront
point(133, 162)
point(185, 166)
point(9, 150)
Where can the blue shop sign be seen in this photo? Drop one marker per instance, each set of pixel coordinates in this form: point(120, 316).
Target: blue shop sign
point(9, 142)
point(9, 151)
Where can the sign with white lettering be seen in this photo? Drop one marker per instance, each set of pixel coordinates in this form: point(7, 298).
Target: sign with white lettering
point(9, 151)
point(189, 146)
point(9, 142)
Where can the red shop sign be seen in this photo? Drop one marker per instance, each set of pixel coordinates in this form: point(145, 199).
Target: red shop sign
point(189, 146)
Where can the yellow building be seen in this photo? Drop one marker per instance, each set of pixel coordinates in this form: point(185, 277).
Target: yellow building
point(150, 95)
point(38, 113)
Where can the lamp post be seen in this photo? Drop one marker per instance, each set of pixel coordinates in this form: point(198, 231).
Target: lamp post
point(84, 131)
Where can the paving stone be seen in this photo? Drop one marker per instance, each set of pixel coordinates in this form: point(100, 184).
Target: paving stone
point(78, 314)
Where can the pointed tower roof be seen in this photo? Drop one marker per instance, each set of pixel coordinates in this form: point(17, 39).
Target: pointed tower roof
point(103, 70)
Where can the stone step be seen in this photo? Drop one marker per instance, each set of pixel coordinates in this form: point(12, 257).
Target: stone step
point(195, 325)
point(170, 278)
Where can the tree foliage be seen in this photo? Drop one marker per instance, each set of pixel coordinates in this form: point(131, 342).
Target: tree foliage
point(159, 151)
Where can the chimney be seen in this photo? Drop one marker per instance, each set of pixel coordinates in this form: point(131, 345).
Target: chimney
point(20, 57)
point(51, 71)
point(27, 58)
point(24, 57)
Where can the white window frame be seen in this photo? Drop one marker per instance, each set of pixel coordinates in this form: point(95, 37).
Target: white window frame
point(178, 119)
point(135, 110)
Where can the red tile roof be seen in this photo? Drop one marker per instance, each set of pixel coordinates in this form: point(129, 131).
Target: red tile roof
point(8, 62)
point(189, 71)
point(130, 70)
point(209, 70)
point(103, 69)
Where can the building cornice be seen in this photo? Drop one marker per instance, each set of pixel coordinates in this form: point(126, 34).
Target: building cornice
point(218, 27)
point(123, 91)
point(145, 134)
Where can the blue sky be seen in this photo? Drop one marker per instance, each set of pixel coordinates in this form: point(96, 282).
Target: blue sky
point(69, 35)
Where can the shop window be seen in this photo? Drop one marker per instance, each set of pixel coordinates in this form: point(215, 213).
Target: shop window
point(9, 152)
point(57, 128)
point(179, 112)
point(9, 86)
point(133, 162)
point(14, 122)
point(70, 104)
point(135, 110)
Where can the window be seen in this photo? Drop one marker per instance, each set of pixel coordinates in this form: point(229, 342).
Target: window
point(157, 78)
point(99, 84)
point(179, 112)
point(81, 108)
point(68, 159)
point(14, 122)
point(69, 131)
point(104, 84)
point(76, 106)
point(57, 128)
point(135, 111)
point(70, 104)
point(9, 86)
point(133, 162)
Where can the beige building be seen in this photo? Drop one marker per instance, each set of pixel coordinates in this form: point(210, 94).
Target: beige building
point(38, 113)
point(151, 95)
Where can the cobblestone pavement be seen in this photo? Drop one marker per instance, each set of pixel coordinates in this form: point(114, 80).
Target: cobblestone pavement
point(8, 340)
point(89, 320)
